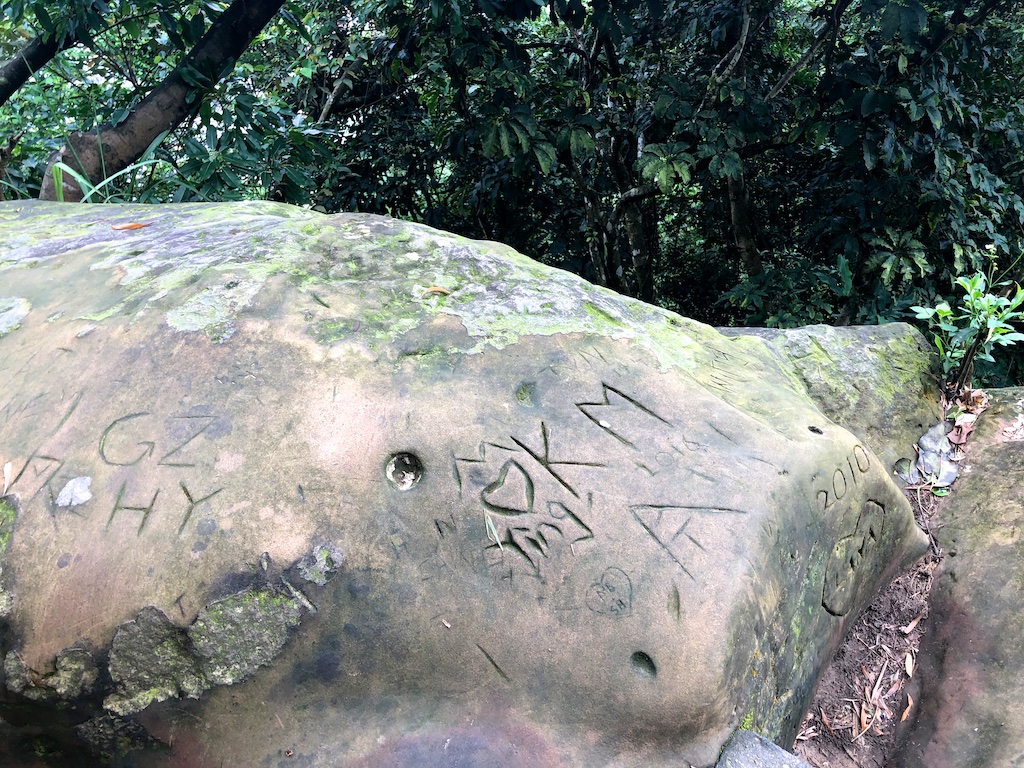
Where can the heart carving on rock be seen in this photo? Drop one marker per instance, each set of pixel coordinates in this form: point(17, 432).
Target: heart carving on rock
point(612, 594)
point(511, 493)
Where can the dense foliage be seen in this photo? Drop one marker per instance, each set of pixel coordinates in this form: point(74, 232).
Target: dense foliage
point(770, 162)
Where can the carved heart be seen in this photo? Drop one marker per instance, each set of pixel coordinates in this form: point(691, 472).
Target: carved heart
point(612, 595)
point(511, 493)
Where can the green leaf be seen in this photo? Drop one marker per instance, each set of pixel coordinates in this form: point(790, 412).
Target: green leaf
point(522, 134)
point(732, 165)
point(870, 154)
point(581, 143)
point(867, 106)
point(505, 139)
point(545, 154)
point(490, 143)
point(43, 17)
point(891, 20)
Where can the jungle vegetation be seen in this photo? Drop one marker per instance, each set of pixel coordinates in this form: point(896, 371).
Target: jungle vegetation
point(763, 162)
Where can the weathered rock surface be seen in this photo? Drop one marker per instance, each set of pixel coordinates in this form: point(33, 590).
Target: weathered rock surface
point(969, 667)
point(878, 381)
point(518, 519)
point(747, 749)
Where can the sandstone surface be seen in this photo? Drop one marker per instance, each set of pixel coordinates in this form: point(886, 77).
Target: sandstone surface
point(878, 381)
point(351, 491)
point(971, 691)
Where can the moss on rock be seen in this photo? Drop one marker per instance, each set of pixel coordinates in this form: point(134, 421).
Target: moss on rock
point(321, 564)
point(235, 636)
point(111, 737)
point(876, 381)
point(76, 674)
point(8, 515)
point(150, 661)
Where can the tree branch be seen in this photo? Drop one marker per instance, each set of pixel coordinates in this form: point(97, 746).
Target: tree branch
point(838, 9)
point(34, 56)
point(630, 196)
point(958, 18)
point(110, 149)
point(736, 53)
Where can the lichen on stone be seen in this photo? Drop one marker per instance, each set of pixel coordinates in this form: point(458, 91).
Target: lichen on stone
point(8, 513)
point(110, 737)
point(320, 565)
point(150, 661)
point(76, 674)
point(239, 634)
point(12, 311)
point(212, 310)
point(16, 673)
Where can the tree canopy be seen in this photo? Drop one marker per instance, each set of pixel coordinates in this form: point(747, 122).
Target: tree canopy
point(772, 162)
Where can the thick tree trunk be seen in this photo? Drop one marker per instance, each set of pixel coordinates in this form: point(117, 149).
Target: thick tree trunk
point(630, 227)
point(30, 59)
point(103, 152)
point(743, 226)
point(633, 223)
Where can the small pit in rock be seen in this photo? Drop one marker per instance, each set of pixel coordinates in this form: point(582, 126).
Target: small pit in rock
point(643, 665)
point(404, 471)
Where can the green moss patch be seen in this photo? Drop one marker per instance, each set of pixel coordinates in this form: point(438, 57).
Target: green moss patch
point(237, 635)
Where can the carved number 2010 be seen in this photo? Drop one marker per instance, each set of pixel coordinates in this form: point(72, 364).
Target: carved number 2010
point(857, 463)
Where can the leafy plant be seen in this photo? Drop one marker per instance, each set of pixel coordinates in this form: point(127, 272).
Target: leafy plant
point(972, 331)
point(106, 191)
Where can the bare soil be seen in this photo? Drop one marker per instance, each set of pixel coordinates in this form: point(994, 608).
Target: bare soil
point(867, 690)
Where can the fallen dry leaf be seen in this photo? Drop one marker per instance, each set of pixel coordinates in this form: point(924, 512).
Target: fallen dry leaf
point(910, 627)
point(908, 664)
point(957, 436)
point(906, 712)
point(807, 733)
point(436, 289)
point(876, 690)
point(825, 722)
point(133, 225)
point(965, 419)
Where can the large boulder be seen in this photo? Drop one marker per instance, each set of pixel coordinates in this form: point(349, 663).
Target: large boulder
point(878, 381)
point(971, 692)
point(353, 490)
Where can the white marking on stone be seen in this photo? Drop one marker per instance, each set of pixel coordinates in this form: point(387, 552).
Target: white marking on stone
point(75, 492)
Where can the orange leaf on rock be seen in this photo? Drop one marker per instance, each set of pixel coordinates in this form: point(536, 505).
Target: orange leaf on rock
point(133, 225)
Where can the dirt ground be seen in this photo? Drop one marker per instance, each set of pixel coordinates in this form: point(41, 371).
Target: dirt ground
point(867, 690)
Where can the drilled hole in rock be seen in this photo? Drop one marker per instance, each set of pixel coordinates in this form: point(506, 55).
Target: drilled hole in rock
point(643, 664)
point(404, 470)
point(816, 430)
